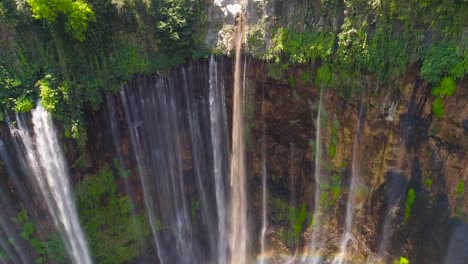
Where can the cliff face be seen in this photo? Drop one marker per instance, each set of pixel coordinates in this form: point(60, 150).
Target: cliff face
point(401, 147)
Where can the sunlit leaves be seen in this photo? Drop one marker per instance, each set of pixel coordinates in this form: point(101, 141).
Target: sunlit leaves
point(77, 14)
point(447, 87)
point(48, 94)
point(409, 203)
point(23, 105)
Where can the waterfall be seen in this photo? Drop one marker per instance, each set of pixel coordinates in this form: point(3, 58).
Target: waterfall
point(264, 185)
point(9, 240)
point(178, 130)
point(238, 236)
point(139, 156)
point(44, 157)
point(220, 149)
point(350, 205)
point(116, 139)
point(315, 242)
point(152, 118)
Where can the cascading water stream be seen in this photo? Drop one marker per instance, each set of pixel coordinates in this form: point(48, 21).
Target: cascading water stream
point(152, 118)
point(220, 149)
point(137, 145)
point(9, 240)
point(238, 235)
point(353, 189)
point(264, 186)
point(315, 243)
point(178, 129)
point(45, 159)
point(124, 173)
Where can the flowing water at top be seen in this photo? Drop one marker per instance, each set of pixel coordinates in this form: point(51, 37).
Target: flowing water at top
point(220, 149)
point(238, 236)
point(45, 159)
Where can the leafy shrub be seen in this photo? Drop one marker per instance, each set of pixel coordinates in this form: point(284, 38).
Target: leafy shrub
point(438, 108)
point(460, 188)
point(107, 219)
point(447, 87)
point(51, 249)
point(439, 60)
point(409, 203)
point(23, 105)
point(48, 93)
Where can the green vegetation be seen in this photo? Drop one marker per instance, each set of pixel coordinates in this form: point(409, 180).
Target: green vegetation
point(124, 173)
point(52, 249)
point(331, 190)
point(428, 183)
point(438, 108)
point(334, 136)
point(23, 105)
point(447, 87)
point(293, 218)
point(440, 60)
point(77, 14)
point(460, 188)
point(458, 212)
point(323, 75)
point(409, 203)
point(300, 47)
point(195, 208)
point(113, 235)
point(403, 260)
point(297, 216)
point(68, 53)
point(380, 39)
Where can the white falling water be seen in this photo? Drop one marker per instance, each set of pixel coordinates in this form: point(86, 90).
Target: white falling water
point(144, 183)
point(264, 187)
point(47, 163)
point(9, 240)
point(219, 143)
point(315, 243)
point(350, 205)
point(238, 235)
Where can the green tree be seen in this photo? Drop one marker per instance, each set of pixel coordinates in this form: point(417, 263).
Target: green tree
point(77, 14)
